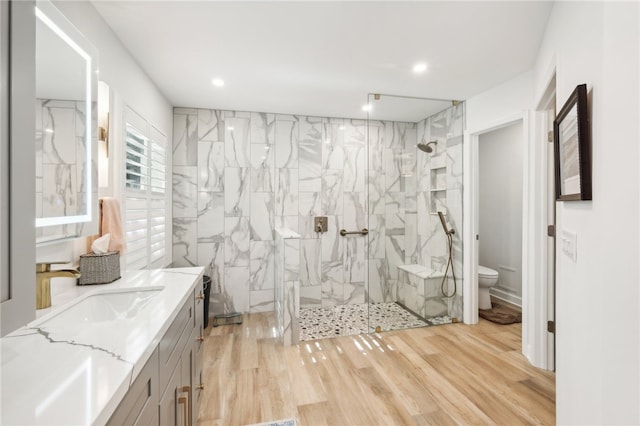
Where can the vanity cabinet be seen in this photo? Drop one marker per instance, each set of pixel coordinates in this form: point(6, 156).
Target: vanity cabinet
point(180, 369)
point(169, 388)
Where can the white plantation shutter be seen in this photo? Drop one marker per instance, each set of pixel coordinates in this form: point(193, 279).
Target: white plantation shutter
point(137, 159)
point(145, 194)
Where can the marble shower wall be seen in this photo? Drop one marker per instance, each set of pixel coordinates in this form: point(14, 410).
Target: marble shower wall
point(239, 175)
point(406, 189)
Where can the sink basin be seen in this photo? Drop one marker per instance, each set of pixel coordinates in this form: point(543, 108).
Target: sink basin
point(106, 306)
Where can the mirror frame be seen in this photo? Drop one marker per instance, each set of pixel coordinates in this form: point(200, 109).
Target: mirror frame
point(49, 15)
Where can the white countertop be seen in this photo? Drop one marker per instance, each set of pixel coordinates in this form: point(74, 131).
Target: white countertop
point(55, 375)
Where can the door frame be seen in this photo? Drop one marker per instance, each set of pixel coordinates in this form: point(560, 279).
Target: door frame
point(536, 346)
point(471, 205)
point(545, 114)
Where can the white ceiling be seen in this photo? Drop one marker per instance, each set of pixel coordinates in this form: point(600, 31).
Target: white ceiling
point(323, 58)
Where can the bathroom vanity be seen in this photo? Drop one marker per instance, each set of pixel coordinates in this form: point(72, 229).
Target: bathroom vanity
point(129, 352)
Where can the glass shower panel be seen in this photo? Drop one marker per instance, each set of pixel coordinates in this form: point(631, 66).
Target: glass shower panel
point(414, 171)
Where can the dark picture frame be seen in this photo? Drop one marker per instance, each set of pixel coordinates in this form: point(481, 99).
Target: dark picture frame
point(572, 146)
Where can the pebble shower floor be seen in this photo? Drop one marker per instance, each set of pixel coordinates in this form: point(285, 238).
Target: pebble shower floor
point(361, 318)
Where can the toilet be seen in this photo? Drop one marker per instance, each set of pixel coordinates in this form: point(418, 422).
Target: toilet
point(487, 278)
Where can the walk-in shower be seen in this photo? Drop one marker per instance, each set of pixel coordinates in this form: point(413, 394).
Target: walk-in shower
point(389, 175)
point(414, 182)
point(284, 171)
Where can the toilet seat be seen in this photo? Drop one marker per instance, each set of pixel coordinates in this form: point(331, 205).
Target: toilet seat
point(483, 271)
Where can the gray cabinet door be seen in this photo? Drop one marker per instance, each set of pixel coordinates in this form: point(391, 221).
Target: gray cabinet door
point(170, 413)
point(140, 405)
point(180, 399)
point(186, 366)
point(174, 340)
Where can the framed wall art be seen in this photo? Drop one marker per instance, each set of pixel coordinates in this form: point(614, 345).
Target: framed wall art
point(572, 143)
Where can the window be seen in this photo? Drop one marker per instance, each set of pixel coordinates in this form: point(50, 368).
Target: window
point(145, 194)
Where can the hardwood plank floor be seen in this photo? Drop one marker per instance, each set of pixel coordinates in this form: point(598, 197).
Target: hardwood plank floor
point(442, 375)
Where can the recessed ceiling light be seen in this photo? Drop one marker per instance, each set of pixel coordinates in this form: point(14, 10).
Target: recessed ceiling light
point(218, 82)
point(421, 67)
point(366, 107)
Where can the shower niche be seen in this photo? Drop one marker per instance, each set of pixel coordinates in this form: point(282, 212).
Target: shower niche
point(438, 181)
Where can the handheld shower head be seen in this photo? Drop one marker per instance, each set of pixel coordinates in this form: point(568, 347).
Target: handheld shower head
point(426, 146)
point(444, 225)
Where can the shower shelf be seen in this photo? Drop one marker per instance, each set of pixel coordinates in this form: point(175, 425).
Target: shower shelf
point(439, 162)
point(437, 189)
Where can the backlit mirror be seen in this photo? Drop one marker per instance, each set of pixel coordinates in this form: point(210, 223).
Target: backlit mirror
point(66, 128)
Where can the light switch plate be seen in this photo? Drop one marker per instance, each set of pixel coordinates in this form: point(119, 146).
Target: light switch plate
point(569, 244)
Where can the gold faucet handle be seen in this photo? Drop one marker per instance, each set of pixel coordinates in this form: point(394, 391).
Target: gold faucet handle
point(46, 266)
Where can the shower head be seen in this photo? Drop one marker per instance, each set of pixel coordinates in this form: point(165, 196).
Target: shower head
point(444, 225)
point(426, 146)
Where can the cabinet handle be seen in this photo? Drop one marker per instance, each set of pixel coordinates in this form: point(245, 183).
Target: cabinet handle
point(200, 296)
point(187, 389)
point(200, 339)
point(184, 400)
point(200, 386)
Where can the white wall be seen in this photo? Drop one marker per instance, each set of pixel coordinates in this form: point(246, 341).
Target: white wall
point(597, 297)
point(501, 103)
point(129, 86)
point(500, 202)
point(118, 68)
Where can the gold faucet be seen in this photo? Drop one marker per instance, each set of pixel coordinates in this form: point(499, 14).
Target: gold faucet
point(43, 281)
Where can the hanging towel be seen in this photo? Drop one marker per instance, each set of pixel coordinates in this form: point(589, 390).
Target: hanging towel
point(111, 223)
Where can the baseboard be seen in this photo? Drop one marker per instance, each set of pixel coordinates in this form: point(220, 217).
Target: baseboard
point(506, 296)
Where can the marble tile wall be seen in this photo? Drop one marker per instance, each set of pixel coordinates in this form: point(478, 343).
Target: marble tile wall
point(237, 176)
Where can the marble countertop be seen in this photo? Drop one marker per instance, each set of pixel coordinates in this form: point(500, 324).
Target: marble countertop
point(77, 374)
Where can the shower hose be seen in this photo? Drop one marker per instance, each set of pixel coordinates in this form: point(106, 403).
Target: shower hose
point(449, 265)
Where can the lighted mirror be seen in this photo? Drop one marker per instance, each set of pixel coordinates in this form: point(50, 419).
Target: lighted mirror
point(66, 128)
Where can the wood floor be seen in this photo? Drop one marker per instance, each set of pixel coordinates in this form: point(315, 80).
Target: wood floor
point(449, 374)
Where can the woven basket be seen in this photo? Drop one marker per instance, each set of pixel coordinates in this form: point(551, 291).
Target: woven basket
point(99, 268)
